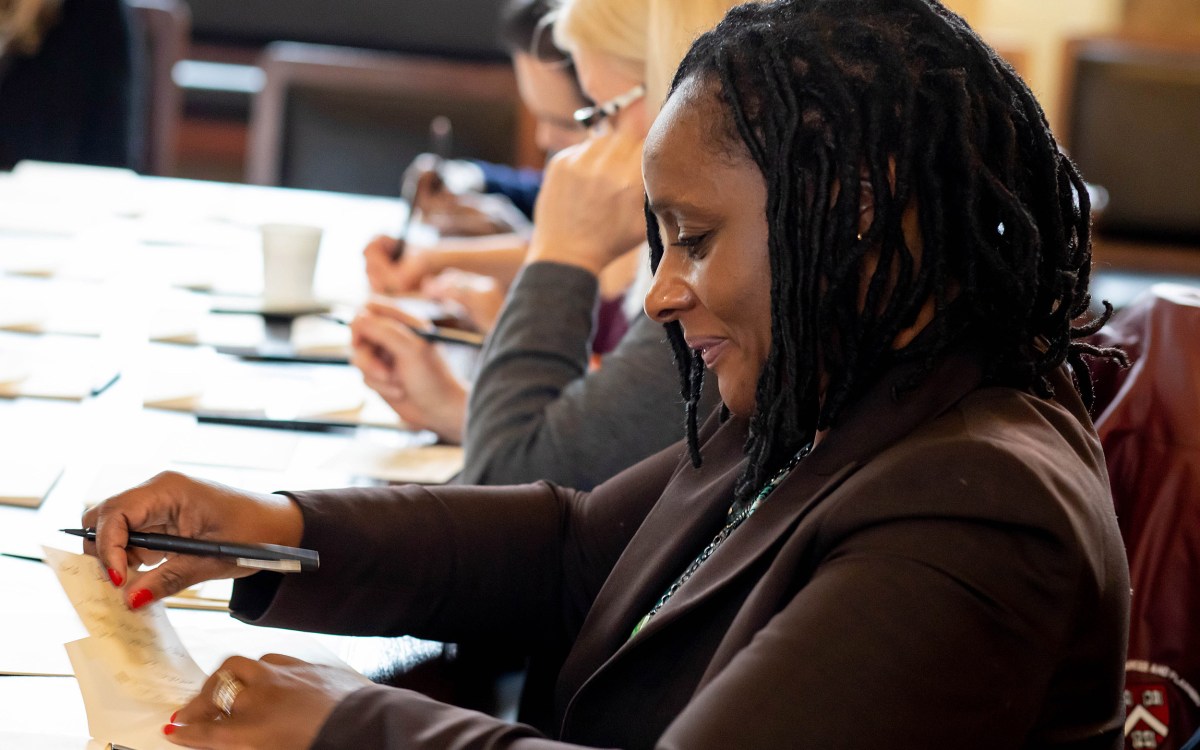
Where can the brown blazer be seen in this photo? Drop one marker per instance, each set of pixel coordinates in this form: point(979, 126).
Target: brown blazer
point(943, 571)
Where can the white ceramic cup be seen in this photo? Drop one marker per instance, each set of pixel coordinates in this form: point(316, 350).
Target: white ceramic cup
point(289, 261)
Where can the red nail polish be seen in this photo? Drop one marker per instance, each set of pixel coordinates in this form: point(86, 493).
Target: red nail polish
point(140, 598)
point(172, 719)
point(115, 577)
point(169, 729)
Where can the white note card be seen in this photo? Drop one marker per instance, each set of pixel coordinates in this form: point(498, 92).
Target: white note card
point(140, 649)
point(133, 669)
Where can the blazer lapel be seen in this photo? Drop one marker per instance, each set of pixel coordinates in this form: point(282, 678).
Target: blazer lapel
point(681, 523)
point(874, 422)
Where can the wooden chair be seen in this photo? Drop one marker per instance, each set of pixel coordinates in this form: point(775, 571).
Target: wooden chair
point(1131, 113)
point(166, 31)
point(337, 118)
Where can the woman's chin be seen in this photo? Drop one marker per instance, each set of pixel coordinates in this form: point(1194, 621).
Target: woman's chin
point(737, 403)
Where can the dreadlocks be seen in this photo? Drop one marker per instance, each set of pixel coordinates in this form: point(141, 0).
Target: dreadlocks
point(901, 102)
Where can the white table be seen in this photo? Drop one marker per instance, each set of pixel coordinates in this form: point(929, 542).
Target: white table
point(127, 241)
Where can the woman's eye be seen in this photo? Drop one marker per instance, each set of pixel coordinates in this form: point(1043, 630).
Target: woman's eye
point(693, 242)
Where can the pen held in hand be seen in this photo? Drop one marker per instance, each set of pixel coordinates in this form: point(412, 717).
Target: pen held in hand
point(437, 334)
point(271, 557)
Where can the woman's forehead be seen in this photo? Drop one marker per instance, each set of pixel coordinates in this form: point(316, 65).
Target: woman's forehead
point(679, 119)
point(694, 123)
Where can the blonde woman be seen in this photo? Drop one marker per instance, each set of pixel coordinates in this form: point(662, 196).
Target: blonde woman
point(536, 410)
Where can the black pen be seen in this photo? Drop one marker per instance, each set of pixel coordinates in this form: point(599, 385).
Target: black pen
point(105, 385)
point(432, 333)
point(258, 556)
point(450, 336)
point(274, 423)
point(408, 194)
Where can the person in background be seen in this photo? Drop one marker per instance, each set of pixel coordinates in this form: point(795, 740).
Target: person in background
point(481, 244)
point(897, 530)
point(535, 409)
point(67, 83)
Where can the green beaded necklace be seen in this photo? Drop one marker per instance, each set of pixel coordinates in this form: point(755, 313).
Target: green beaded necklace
point(735, 519)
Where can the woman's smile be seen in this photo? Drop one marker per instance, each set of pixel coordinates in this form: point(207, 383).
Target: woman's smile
point(710, 348)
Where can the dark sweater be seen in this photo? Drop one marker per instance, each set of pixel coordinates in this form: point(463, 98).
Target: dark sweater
point(75, 101)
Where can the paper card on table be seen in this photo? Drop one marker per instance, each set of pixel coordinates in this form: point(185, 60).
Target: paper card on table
point(315, 336)
point(198, 326)
point(37, 620)
point(334, 394)
point(53, 367)
point(245, 447)
point(282, 398)
point(37, 639)
point(12, 372)
point(33, 257)
point(33, 218)
point(63, 385)
point(139, 651)
point(43, 713)
point(27, 483)
point(210, 595)
point(431, 464)
point(212, 644)
point(42, 306)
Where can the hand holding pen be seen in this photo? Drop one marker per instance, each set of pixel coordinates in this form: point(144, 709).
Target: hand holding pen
point(180, 506)
point(401, 365)
point(389, 269)
point(271, 557)
point(423, 177)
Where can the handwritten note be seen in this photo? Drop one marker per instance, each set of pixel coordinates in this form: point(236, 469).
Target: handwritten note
point(139, 650)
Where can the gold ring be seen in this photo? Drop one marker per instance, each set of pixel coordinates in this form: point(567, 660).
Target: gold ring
point(226, 691)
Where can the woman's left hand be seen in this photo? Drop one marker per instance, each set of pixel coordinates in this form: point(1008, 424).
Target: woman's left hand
point(479, 296)
point(282, 703)
point(408, 371)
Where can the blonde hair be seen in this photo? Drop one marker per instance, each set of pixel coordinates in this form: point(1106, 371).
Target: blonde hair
point(23, 24)
point(647, 37)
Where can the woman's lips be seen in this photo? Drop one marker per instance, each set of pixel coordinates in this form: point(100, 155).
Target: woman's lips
point(710, 349)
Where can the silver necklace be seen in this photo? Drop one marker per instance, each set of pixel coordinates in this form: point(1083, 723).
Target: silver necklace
point(735, 518)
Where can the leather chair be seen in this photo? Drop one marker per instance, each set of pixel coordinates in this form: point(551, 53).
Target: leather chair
point(1149, 424)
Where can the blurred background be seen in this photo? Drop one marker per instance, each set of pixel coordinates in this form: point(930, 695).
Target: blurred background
point(339, 96)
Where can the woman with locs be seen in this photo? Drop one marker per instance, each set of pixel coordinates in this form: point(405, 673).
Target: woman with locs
point(896, 532)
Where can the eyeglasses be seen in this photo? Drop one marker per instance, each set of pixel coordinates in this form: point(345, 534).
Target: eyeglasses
point(590, 117)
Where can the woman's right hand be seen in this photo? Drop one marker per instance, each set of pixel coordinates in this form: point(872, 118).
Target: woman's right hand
point(387, 275)
point(173, 503)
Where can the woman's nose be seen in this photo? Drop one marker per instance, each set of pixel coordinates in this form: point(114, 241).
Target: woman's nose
point(669, 295)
